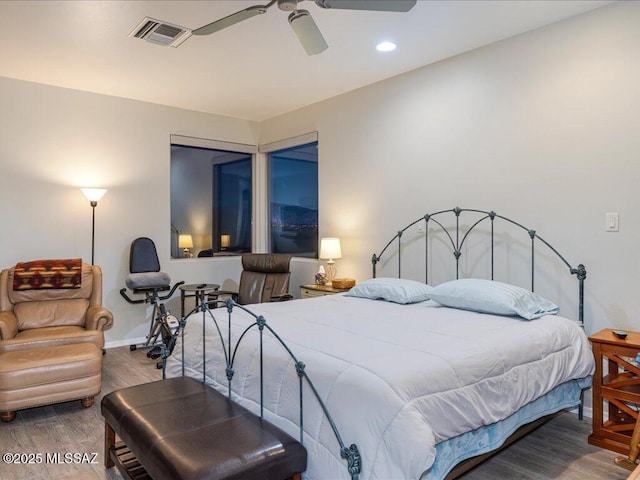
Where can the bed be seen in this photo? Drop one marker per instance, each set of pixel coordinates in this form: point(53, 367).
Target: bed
point(413, 388)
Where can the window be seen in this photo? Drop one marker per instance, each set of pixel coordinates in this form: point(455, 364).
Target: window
point(211, 198)
point(232, 206)
point(230, 198)
point(293, 199)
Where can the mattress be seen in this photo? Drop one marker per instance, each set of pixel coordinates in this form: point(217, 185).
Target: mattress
point(397, 379)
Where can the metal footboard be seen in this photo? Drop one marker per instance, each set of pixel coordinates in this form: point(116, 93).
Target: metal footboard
point(351, 453)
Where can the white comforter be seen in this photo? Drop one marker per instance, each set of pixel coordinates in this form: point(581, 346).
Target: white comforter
point(397, 379)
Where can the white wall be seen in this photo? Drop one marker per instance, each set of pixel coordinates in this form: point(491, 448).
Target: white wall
point(54, 141)
point(542, 127)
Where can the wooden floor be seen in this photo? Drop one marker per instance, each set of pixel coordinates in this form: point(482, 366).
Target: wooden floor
point(557, 450)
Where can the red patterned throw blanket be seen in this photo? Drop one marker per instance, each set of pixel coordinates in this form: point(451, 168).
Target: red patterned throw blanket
point(48, 274)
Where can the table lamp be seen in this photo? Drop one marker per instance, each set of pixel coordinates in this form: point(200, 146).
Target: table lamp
point(185, 242)
point(330, 250)
point(225, 241)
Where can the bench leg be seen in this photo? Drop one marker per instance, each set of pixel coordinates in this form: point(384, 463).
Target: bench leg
point(7, 416)
point(109, 441)
point(87, 402)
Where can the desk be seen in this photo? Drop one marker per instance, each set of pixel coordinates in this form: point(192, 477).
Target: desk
point(199, 291)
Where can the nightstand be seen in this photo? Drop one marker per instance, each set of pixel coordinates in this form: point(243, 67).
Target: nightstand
point(618, 387)
point(310, 291)
point(635, 475)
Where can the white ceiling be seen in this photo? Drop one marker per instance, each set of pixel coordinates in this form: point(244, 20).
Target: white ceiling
point(256, 69)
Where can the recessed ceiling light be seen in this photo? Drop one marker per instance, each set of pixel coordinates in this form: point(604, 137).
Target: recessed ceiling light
point(386, 46)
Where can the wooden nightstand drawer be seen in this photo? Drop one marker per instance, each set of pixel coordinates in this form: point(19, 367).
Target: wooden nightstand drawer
point(310, 291)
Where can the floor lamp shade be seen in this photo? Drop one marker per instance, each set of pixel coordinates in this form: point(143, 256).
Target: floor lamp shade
point(94, 194)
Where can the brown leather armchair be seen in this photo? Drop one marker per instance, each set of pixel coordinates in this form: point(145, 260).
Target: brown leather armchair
point(265, 278)
point(53, 317)
point(51, 342)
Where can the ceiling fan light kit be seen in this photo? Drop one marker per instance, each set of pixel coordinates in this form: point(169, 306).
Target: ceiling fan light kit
point(307, 32)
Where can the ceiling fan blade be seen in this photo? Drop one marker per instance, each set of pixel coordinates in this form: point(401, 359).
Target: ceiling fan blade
point(377, 5)
point(231, 20)
point(307, 32)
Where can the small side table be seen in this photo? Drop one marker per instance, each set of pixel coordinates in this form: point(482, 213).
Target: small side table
point(310, 291)
point(199, 291)
point(617, 385)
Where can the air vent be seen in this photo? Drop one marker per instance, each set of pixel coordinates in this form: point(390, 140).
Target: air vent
point(160, 33)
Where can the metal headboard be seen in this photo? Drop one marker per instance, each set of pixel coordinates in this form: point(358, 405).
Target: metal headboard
point(457, 238)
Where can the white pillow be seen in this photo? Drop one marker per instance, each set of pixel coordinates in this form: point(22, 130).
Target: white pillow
point(488, 296)
point(395, 290)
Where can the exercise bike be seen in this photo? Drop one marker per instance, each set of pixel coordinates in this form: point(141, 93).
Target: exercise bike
point(146, 278)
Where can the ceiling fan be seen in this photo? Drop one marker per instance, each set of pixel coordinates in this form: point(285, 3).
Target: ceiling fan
point(301, 21)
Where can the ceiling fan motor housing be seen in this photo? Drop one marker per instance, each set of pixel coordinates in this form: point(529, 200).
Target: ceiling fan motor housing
point(288, 5)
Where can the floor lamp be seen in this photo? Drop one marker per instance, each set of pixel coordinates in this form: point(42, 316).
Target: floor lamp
point(93, 195)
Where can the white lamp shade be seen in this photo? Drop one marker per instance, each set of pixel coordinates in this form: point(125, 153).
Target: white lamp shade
point(185, 241)
point(94, 194)
point(330, 248)
point(225, 241)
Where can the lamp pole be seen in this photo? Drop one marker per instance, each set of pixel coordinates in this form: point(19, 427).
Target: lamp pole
point(94, 204)
point(93, 195)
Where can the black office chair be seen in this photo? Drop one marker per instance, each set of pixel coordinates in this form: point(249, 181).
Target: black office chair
point(146, 278)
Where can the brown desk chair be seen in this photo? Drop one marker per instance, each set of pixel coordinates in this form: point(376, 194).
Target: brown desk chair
point(264, 278)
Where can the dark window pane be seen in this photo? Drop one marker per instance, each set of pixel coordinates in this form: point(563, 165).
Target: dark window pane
point(234, 204)
point(294, 200)
point(210, 201)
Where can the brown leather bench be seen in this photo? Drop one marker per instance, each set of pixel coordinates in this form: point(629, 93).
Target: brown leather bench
point(181, 429)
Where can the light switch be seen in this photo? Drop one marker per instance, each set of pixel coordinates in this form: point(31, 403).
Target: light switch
point(611, 222)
